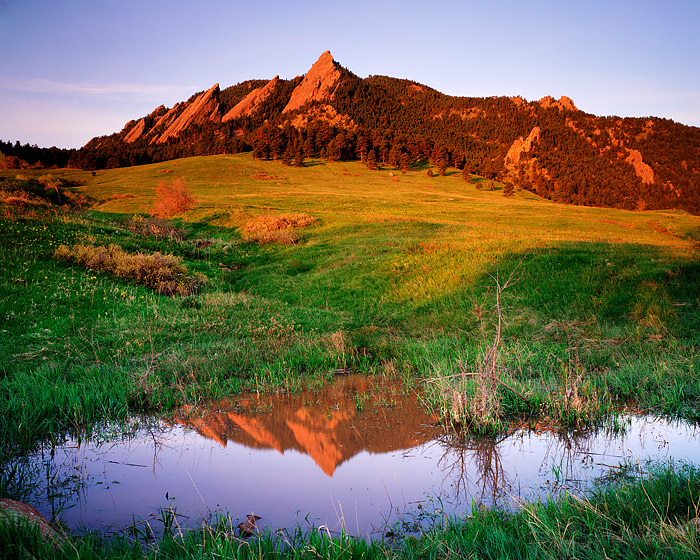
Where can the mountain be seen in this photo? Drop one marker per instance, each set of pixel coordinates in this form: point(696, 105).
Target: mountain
point(548, 146)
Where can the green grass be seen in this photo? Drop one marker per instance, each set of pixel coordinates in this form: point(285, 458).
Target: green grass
point(397, 266)
point(393, 278)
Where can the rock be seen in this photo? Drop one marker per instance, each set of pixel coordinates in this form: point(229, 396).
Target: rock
point(563, 104)
point(249, 104)
point(203, 108)
point(319, 83)
point(567, 103)
point(135, 132)
point(250, 526)
point(21, 512)
point(521, 146)
point(643, 171)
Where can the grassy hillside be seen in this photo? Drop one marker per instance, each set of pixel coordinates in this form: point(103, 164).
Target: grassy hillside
point(391, 274)
point(395, 276)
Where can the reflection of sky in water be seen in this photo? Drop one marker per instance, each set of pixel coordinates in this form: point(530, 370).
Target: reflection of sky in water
point(366, 489)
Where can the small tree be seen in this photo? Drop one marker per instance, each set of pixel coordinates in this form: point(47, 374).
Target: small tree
point(430, 173)
point(288, 155)
point(404, 162)
point(508, 189)
point(172, 199)
point(372, 160)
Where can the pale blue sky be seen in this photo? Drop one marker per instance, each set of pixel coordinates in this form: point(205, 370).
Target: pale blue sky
point(74, 69)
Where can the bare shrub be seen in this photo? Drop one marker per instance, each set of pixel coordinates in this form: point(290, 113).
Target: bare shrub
point(46, 191)
point(277, 228)
point(164, 273)
point(154, 227)
point(267, 177)
point(172, 198)
point(470, 399)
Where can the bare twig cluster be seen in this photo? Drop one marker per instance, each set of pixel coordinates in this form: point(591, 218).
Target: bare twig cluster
point(471, 396)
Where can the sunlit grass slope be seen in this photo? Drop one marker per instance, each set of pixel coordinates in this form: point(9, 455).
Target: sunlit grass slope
point(393, 276)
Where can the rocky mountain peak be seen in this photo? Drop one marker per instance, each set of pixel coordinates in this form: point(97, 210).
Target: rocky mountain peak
point(318, 83)
point(563, 103)
point(203, 108)
point(248, 105)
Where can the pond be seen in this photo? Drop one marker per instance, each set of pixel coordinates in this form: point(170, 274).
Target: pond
point(361, 455)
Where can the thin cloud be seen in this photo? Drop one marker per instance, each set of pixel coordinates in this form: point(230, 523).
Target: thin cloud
point(40, 85)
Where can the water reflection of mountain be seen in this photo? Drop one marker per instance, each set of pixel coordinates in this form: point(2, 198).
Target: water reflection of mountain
point(331, 424)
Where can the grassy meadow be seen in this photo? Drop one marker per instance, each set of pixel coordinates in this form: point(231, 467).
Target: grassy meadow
point(393, 273)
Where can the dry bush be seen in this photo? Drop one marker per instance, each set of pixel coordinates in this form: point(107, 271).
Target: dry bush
point(153, 227)
point(46, 191)
point(277, 228)
point(653, 308)
point(21, 198)
point(470, 399)
point(164, 273)
point(267, 177)
point(172, 198)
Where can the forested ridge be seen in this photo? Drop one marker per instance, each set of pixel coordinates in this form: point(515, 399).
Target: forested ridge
point(547, 146)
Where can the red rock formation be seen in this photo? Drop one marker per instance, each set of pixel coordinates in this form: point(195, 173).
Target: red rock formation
point(643, 171)
point(20, 512)
point(168, 117)
point(563, 104)
point(521, 146)
point(323, 113)
point(205, 107)
point(248, 105)
point(319, 83)
point(567, 103)
point(135, 132)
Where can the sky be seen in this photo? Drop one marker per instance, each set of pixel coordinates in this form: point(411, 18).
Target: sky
point(71, 70)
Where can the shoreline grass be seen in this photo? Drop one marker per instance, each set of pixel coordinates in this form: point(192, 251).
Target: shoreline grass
point(629, 516)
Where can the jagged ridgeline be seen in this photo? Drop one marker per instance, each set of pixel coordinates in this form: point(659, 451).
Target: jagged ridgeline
point(548, 146)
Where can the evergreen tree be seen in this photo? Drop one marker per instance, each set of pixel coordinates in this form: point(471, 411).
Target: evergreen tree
point(372, 160)
point(288, 155)
point(395, 156)
point(404, 161)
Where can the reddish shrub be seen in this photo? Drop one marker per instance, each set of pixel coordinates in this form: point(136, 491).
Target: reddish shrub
point(172, 198)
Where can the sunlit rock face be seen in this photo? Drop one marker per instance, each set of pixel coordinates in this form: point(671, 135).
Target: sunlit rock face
point(251, 102)
point(318, 84)
point(203, 108)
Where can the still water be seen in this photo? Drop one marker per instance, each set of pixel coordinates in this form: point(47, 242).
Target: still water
point(359, 456)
